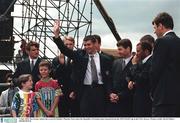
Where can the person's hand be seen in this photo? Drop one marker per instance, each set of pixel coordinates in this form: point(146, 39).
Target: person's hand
point(72, 95)
point(56, 28)
point(61, 59)
point(49, 113)
point(8, 110)
point(131, 85)
point(135, 59)
point(114, 98)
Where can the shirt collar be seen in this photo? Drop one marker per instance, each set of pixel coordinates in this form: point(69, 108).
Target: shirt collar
point(127, 59)
point(167, 32)
point(33, 60)
point(145, 59)
point(96, 54)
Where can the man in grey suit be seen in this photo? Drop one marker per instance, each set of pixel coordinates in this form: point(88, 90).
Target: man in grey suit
point(121, 96)
point(165, 68)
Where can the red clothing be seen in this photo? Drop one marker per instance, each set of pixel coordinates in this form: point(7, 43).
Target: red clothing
point(47, 91)
point(52, 83)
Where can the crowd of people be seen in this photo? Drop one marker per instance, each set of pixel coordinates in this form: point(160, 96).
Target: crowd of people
point(90, 83)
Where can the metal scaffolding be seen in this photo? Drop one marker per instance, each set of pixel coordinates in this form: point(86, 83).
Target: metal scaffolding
point(34, 19)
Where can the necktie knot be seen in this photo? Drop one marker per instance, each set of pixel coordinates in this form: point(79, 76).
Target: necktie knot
point(92, 56)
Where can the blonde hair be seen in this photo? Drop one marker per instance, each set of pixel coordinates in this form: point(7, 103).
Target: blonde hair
point(69, 38)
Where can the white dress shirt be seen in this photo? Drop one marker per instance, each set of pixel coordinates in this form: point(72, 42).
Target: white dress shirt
point(127, 60)
point(88, 78)
point(34, 60)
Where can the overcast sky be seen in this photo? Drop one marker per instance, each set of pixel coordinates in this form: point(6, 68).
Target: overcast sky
point(133, 18)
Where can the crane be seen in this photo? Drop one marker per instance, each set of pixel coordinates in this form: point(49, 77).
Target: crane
point(108, 19)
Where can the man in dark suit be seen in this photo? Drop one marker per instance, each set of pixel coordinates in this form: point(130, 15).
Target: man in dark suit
point(92, 92)
point(62, 68)
point(31, 64)
point(121, 96)
point(139, 80)
point(165, 68)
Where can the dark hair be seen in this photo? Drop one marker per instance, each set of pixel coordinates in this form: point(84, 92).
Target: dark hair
point(98, 38)
point(8, 75)
point(45, 63)
point(91, 38)
point(23, 79)
point(125, 43)
point(145, 46)
point(165, 19)
point(30, 44)
point(149, 39)
point(23, 43)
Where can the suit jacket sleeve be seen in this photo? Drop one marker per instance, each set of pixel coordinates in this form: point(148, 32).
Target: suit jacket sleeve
point(57, 68)
point(16, 74)
point(159, 61)
point(120, 85)
point(17, 71)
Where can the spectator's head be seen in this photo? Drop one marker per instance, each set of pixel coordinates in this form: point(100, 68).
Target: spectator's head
point(90, 44)
point(124, 48)
point(44, 69)
point(143, 49)
point(33, 49)
point(25, 82)
point(23, 45)
point(69, 42)
point(149, 39)
point(8, 78)
point(162, 23)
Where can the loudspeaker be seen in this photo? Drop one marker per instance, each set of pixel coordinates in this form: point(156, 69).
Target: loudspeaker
point(6, 21)
point(6, 28)
point(4, 4)
point(6, 51)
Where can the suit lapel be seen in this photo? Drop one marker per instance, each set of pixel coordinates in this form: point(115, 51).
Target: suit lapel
point(103, 67)
point(27, 65)
point(85, 63)
point(101, 63)
point(128, 65)
point(36, 64)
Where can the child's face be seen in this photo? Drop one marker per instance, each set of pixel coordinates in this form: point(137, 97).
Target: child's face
point(44, 71)
point(28, 85)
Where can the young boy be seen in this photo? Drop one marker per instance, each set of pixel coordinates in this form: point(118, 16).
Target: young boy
point(48, 92)
point(24, 103)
